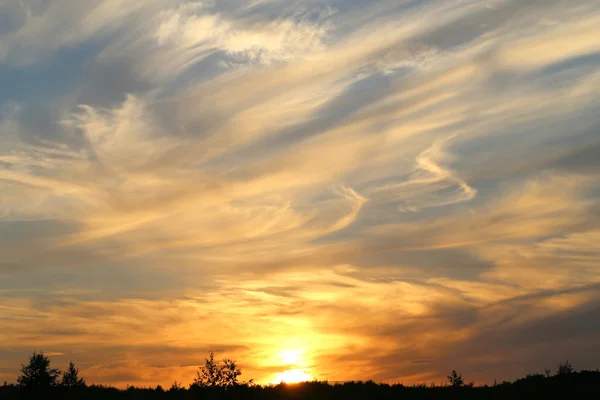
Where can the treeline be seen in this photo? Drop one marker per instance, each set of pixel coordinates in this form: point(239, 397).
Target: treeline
point(219, 380)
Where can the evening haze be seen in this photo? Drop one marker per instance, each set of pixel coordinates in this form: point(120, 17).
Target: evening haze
point(318, 189)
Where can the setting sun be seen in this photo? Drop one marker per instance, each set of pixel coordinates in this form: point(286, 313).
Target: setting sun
point(292, 376)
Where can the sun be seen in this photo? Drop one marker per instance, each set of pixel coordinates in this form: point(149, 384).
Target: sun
point(292, 376)
point(294, 362)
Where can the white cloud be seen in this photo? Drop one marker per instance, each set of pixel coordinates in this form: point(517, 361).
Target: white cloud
point(192, 31)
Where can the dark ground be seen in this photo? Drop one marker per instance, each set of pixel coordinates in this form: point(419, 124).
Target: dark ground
point(577, 385)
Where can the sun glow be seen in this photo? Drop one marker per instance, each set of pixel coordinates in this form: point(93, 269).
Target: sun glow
point(292, 376)
point(291, 356)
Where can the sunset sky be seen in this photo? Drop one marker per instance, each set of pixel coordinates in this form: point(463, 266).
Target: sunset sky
point(320, 189)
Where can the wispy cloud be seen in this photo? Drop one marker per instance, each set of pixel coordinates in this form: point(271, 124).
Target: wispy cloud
point(192, 32)
point(389, 190)
point(429, 172)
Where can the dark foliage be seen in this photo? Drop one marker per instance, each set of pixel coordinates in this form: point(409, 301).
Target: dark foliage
point(38, 374)
point(216, 375)
point(456, 380)
point(70, 377)
point(565, 369)
point(565, 384)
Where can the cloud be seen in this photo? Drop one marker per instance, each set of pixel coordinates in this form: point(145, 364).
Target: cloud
point(218, 176)
point(428, 172)
point(52, 25)
point(189, 28)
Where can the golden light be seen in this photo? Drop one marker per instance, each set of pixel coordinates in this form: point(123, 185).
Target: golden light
point(291, 356)
point(292, 376)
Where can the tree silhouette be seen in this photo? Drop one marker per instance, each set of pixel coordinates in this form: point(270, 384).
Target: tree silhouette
point(38, 374)
point(70, 377)
point(230, 373)
point(210, 374)
point(455, 379)
point(176, 387)
point(213, 374)
point(565, 368)
point(219, 380)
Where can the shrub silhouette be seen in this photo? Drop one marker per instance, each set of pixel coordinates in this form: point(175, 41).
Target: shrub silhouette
point(38, 374)
point(70, 377)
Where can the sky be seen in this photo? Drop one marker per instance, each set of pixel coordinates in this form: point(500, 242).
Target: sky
point(333, 189)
